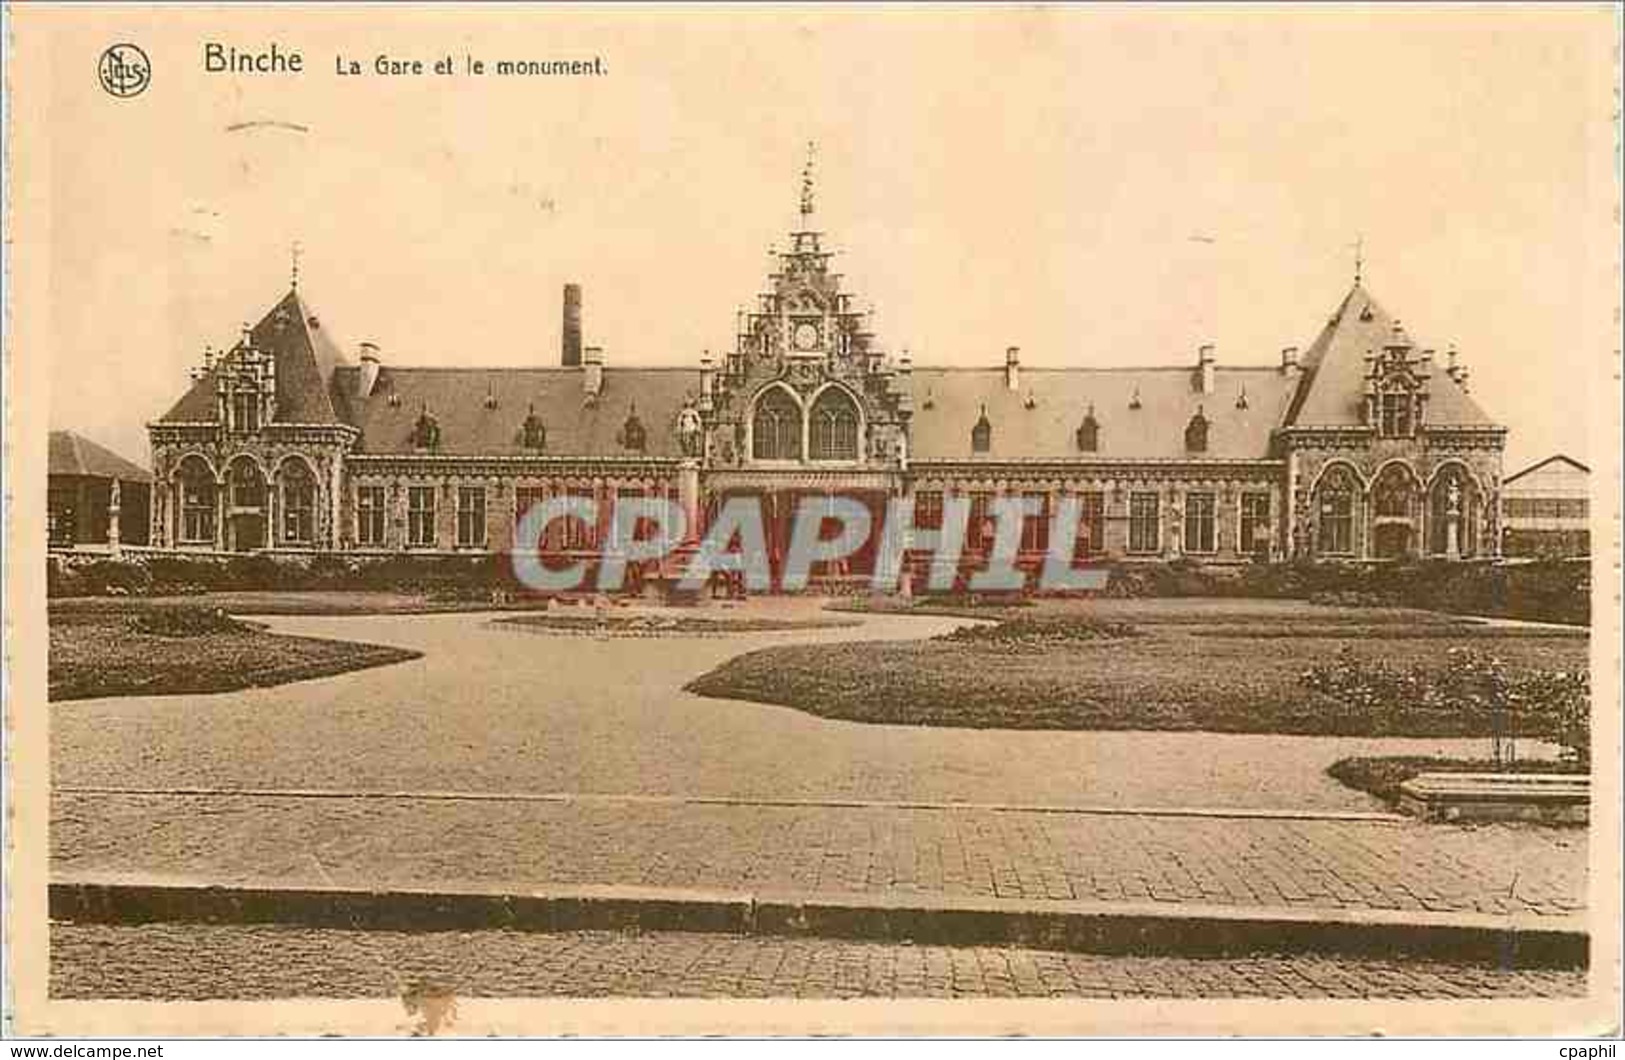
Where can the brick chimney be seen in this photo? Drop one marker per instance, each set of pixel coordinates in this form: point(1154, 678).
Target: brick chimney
point(570, 351)
point(1012, 368)
point(1289, 360)
point(370, 363)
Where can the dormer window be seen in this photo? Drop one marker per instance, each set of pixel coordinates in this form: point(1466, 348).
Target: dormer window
point(633, 436)
point(426, 432)
point(244, 409)
point(1089, 433)
point(1396, 420)
point(981, 435)
point(1196, 433)
point(533, 435)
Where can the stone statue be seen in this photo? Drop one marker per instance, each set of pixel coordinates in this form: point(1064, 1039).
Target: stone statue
point(689, 431)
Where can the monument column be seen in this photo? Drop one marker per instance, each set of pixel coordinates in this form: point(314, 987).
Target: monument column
point(1452, 547)
point(113, 518)
point(688, 496)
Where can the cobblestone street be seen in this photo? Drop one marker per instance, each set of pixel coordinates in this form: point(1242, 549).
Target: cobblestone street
point(512, 761)
point(197, 962)
point(1007, 854)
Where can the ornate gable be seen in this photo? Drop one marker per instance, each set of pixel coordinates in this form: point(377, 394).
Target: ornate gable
point(803, 335)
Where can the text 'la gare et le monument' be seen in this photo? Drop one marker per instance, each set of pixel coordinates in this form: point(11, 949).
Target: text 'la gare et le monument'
point(278, 59)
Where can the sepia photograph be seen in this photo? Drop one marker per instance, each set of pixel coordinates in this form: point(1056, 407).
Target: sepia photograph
point(798, 519)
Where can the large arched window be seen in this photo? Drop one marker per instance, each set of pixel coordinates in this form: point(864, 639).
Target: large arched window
point(1393, 509)
point(247, 484)
point(1394, 493)
point(834, 427)
point(1334, 512)
point(196, 485)
point(298, 503)
point(775, 432)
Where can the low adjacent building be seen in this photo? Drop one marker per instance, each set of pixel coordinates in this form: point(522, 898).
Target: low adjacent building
point(95, 497)
point(1548, 509)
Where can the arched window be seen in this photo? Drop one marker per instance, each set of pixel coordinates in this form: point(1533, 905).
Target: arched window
point(981, 435)
point(298, 504)
point(1393, 495)
point(1196, 433)
point(1334, 512)
point(1089, 433)
point(1393, 510)
point(775, 432)
point(247, 484)
point(197, 502)
point(834, 427)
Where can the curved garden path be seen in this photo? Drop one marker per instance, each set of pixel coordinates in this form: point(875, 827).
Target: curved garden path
point(490, 708)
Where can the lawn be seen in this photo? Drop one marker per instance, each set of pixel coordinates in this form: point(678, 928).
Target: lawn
point(125, 648)
point(1163, 664)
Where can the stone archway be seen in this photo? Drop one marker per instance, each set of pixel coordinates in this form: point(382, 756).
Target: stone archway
point(1395, 512)
point(247, 506)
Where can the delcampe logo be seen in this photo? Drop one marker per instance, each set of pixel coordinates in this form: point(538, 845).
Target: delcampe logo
point(124, 70)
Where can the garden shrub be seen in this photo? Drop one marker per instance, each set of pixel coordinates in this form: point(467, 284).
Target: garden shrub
point(1041, 630)
point(185, 621)
point(1475, 688)
point(114, 577)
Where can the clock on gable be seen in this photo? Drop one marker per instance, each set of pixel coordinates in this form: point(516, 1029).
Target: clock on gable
point(806, 336)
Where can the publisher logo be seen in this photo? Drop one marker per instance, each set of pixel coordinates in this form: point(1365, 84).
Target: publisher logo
point(124, 71)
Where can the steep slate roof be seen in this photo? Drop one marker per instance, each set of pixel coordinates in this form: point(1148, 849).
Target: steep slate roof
point(306, 358)
point(1334, 372)
point(457, 399)
point(948, 402)
point(316, 384)
point(72, 454)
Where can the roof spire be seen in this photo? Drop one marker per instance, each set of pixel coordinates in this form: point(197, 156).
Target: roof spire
point(1359, 259)
point(293, 254)
point(807, 181)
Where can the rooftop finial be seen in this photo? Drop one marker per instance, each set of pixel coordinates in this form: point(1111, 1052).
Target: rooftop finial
point(293, 254)
point(807, 182)
point(1359, 259)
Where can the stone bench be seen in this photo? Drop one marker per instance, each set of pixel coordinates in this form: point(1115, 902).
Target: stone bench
point(1550, 798)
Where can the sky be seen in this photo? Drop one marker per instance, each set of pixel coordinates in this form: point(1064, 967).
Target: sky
point(1098, 186)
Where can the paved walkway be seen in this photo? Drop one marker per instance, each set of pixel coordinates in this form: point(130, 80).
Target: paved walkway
point(194, 962)
point(590, 756)
point(429, 843)
point(497, 709)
